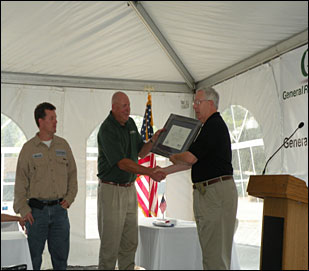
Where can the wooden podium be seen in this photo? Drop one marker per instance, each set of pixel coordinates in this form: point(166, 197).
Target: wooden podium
point(284, 243)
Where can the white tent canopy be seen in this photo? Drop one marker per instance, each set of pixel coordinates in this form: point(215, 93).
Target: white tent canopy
point(76, 54)
point(103, 44)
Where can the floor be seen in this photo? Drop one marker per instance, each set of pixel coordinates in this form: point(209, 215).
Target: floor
point(249, 259)
point(248, 256)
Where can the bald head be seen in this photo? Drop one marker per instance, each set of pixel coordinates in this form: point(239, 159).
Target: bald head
point(118, 97)
point(121, 107)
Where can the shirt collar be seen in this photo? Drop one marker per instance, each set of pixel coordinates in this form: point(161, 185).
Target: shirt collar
point(214, 115)
point(37, 140)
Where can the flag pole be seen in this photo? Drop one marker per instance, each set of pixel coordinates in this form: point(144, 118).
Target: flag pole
point(148, 198)
point(164, 210)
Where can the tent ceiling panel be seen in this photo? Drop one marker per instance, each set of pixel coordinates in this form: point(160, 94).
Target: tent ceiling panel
point(89, 39)
point(210, 36)
point(146, 19)
point(106, 40)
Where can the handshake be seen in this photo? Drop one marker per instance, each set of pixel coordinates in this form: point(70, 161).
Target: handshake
point(158, 174)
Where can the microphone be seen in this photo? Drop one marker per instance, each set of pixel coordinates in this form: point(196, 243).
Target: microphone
point(301, 125)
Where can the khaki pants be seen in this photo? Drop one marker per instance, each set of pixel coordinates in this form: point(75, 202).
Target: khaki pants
point(215, 215)
point(118, 226)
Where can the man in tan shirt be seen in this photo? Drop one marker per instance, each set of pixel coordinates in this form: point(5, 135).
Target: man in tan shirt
point(45, 187)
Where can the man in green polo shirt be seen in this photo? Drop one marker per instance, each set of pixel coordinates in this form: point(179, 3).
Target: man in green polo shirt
point(120, 145)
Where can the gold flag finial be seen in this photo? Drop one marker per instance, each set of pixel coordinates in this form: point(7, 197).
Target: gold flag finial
point(148, 88)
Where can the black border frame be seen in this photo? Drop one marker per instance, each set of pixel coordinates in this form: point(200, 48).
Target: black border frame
point(178, 120)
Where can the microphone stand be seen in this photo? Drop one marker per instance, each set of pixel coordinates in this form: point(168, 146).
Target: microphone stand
point(284, 141)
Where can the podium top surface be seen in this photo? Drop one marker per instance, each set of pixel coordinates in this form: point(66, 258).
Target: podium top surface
point(278, 186)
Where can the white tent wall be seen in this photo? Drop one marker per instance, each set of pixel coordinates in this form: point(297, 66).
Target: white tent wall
point(256, 91)
point(79, 112)
point(260, 90)
point(293, 76)
point(18, 103)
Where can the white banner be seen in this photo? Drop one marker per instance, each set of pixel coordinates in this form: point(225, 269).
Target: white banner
point(294, 105)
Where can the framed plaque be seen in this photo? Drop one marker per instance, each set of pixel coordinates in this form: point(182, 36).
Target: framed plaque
point(179, 133)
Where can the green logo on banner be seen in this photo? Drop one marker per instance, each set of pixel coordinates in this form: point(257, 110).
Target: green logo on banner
point(304, 64)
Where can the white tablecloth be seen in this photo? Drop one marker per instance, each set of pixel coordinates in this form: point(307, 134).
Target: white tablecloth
point(178, 248)
point(15, 249)
point(9, 226)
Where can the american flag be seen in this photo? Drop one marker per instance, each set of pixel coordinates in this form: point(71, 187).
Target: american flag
point(147, 189)
point(163, 204)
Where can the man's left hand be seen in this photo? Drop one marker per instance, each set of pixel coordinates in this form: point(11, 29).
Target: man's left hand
point(64, 204)
point(156, 135)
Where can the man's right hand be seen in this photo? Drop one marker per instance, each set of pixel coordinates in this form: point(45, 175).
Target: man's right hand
point(157, 174)
point(28, 217)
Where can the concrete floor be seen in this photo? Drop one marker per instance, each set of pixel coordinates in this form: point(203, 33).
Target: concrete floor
point(248, 256)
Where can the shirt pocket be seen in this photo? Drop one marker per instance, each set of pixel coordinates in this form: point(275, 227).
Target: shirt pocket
point(62, 166)
point(39, 169)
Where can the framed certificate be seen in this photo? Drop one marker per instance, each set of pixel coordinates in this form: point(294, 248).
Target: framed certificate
point(179, 133)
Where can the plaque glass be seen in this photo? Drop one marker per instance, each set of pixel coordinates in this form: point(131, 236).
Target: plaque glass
point(179, 133)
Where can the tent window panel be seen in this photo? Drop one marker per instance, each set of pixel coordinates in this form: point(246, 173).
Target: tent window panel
point(251, 130)
point(236, 164)
point(246, 163)
point(260, 158)
point(91, 227)
point(9, 176)
point(12, 139)
point(248, 158)
point(8, 193)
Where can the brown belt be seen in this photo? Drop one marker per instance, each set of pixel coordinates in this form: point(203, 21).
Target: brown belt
point(118, 184)
point(212, 181)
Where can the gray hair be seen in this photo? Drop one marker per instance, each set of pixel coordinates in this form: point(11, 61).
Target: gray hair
point(210, 94)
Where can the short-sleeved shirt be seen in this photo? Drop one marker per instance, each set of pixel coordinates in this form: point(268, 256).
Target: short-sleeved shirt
point(44, 173)
point(212, 148)
point(116, 142)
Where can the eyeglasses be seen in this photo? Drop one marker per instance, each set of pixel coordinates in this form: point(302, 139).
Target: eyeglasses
point(198, 102)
